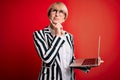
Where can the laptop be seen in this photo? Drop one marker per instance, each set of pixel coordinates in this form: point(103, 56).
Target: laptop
point(88, 62)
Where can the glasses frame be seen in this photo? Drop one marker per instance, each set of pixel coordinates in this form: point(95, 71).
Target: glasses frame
point(56, 11)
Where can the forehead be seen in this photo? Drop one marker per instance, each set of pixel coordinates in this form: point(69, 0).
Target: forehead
point(58, 6)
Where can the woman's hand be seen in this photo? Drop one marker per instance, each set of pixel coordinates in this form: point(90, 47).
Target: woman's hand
point(58, 28)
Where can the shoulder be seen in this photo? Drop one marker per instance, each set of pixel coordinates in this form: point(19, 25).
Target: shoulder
point(69, 34)
point(37, 32)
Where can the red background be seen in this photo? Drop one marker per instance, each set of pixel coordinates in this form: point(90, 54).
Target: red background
point(87, 20)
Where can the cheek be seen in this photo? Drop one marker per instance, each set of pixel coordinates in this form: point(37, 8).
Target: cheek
point(51, 16)
point(63, 19)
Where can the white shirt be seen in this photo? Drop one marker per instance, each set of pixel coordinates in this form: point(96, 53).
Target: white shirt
point(65, 53)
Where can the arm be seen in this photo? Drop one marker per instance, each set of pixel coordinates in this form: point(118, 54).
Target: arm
point(47, 54)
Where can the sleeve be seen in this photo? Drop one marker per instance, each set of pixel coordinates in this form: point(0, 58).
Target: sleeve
point(73, 57)
point(47, 54)
point(72, 41)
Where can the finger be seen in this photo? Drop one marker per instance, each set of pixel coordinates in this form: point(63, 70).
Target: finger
point(60, 26)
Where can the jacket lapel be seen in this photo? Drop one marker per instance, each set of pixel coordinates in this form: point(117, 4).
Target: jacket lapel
point(69, 39)
point(48, 36)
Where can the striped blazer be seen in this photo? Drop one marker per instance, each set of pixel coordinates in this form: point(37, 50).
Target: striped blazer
point(48, 47)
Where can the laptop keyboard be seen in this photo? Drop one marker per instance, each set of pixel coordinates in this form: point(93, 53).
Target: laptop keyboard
point(90, 61)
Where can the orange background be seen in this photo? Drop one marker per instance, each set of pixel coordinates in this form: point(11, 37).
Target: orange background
point(86, 21)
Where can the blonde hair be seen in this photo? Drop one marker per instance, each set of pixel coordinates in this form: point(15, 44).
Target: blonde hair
point(62, 6)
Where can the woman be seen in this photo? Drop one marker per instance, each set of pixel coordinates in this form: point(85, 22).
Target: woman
point(55, 46)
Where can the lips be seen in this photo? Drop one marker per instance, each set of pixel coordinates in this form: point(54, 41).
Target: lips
point(56, 18)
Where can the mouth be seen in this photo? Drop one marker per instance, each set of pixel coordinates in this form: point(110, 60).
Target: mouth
point(56, 18)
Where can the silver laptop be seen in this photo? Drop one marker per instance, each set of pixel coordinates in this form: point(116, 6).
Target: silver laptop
point(88, 62)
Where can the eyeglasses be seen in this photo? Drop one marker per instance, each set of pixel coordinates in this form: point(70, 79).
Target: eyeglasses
point(61, 12)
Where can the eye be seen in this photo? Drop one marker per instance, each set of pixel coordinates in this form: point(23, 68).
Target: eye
point(54, 10)
point(61, 11)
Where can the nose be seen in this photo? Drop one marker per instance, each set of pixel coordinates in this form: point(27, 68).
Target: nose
point(57, 13)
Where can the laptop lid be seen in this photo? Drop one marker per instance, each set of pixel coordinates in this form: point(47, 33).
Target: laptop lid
point(93, 61)
point(90, 62)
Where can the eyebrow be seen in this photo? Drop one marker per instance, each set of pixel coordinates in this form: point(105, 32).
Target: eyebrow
point(59, 10)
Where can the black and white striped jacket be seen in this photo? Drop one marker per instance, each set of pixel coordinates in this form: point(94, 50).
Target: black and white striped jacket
point(48, 47)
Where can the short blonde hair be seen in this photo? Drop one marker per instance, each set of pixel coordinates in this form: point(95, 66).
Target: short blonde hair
point(63, 6)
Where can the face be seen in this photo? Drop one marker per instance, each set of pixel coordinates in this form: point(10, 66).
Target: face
point(57, 15)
